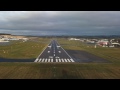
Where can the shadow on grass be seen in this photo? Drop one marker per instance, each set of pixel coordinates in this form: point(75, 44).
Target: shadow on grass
point(16, 60)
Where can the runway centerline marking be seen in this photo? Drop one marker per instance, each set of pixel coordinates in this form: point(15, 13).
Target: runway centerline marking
point(53, 52)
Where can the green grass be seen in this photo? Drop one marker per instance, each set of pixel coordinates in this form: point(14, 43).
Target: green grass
point(58, 71)
point(61, 70)
point(111, 54)
point(23, 50)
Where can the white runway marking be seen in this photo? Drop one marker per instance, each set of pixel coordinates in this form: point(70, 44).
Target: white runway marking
point(62, 60)
point(48, 60)
point(68, 60)
point(54, 45)
point(51, 60)
point(49, 46)
point(72, 60)
point(59, 60)
point(40, 60)
point(42, 51)
point(45, 60)
point(59, 51)
point(65, 60)
point(56, 60)
point(65, 52)
point(36, 60)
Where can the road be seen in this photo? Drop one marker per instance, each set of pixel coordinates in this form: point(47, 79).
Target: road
point(54, 53)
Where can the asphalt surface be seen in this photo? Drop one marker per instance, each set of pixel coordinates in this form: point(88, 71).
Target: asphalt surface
point(16, 60)
point(54, 53)
point(86, 57)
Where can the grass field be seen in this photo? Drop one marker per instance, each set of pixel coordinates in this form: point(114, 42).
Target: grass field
point(23, 50)
point(58, 71)
point(63, 70)
point(111, 54)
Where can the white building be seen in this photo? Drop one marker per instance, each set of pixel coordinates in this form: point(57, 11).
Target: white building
point(74, 39)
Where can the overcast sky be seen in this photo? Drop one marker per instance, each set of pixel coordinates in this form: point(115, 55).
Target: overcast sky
point(60, 22)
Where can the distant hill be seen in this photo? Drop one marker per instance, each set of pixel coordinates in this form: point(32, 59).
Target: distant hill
point(4, 34)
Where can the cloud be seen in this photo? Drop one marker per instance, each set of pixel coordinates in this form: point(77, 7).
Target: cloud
point(59, 20)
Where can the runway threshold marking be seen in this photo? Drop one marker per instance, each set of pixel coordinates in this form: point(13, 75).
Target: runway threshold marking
point(62, 60)
point(36, 60)
point(68, 60)
point(67, 54)
point(40, 60)
point(42, 52)
point(65, 60)
point(56, 60)
point(50, 59)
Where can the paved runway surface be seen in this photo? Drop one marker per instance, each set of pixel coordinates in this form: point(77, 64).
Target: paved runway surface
point(16, 60)
point(54, 53)
point(86, 57)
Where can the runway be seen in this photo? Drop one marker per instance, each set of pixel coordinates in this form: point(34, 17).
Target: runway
point(54, 53)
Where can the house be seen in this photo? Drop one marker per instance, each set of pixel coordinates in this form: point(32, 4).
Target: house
point(103, 43)
point(115, 44)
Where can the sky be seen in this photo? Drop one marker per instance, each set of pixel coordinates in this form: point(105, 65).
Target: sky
point(42, 23)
